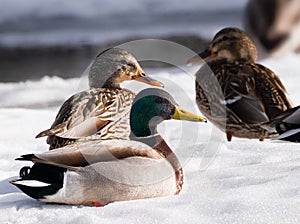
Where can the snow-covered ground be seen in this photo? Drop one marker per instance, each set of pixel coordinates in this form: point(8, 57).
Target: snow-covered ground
point(244, 181)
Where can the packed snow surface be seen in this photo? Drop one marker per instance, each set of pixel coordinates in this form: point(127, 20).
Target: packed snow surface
point(244, 181)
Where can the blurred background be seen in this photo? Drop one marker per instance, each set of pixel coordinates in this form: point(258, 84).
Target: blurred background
point(61, 37)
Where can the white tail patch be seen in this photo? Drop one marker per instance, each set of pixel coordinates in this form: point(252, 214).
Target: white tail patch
point(31, 183)
point(287, 134)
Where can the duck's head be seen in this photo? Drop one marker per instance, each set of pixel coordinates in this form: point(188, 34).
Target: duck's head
point(232, 44)
point(152, 106)
point(113, 66)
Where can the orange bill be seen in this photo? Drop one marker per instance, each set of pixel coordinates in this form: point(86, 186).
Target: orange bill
point(146, 79)
point(204, 55)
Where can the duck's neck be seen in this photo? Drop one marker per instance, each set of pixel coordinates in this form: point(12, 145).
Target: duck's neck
point(112, 82)
point(151, 140)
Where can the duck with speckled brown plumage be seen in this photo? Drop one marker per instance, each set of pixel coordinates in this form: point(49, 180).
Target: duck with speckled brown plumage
point(103, 171)
point(102, 112)
point(234, 92)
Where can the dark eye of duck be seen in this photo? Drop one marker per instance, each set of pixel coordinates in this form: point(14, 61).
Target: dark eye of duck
point(160, 100)
point(131, 65)
point(123, 62)
point(164, 105)
point(224, 38)
point(220, 40)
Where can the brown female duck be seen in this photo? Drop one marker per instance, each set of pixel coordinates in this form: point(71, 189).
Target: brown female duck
point(234, 92)
point(103, 110)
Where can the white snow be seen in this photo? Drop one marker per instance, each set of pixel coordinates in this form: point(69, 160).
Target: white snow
point(244, 181)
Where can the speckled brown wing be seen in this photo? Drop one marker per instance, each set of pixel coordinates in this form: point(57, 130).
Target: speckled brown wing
point(93, 113)
point(254, 93)
point(251, 92)
point(240, 98)
point(271, 91)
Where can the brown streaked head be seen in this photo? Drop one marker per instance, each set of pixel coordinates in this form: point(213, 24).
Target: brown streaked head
point(232, 44)
point(114, 66)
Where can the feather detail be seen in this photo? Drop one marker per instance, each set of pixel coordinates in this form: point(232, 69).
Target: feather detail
point(98, 113)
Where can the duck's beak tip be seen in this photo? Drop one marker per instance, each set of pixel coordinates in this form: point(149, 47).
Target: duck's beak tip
point(150, 81)
point(202, 119)
point(162, 85)
point(193, 60)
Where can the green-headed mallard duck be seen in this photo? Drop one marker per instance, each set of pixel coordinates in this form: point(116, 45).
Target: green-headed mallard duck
point(234, 92)
point(99, 112)
point(102, 171)
point(274, 25)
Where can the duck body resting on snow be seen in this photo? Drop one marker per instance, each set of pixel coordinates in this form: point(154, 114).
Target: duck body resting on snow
point(98, 172)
